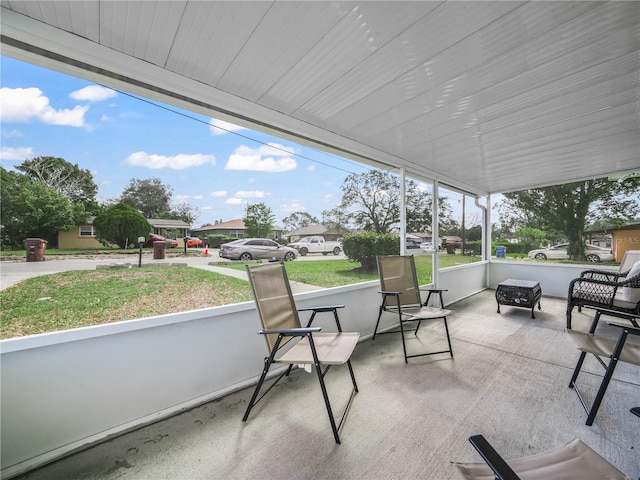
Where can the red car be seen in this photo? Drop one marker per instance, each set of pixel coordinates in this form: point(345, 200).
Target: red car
point(194, 242)
point(153, 237)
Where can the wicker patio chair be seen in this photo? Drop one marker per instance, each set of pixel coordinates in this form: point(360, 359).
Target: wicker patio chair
point(615, 292)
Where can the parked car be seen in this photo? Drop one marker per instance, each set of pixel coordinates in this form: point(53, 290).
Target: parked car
point(256, 249)
point(593, 253)
point(154, 237)
point(426, 246)
point(316, 244)
point(411, 243)
point(194, 242)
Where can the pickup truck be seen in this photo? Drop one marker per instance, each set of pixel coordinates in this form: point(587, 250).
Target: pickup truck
point(316, 244)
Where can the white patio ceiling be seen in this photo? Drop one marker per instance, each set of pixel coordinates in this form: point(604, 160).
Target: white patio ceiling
point(483, 96)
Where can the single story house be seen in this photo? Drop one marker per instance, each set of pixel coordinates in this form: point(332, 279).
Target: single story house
point(623, 239)
point(84, 235)
point(233, 228)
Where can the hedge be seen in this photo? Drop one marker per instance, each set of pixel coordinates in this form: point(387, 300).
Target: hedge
point(365, 247)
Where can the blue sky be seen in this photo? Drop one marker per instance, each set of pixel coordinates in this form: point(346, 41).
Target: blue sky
point(119, 137)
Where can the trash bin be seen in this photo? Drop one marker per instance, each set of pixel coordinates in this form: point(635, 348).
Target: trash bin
point(501, 251)
point(158, 250)
point(35, 248)
point(451, 249)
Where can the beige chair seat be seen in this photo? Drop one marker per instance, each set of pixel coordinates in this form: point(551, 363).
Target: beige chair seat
point(572, 461)
point(603, 346)
point(332, 349)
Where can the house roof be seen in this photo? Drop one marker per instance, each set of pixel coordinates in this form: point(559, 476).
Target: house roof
point(484, 96)
point(170, 224)
point(635, 226)
point(236, 224)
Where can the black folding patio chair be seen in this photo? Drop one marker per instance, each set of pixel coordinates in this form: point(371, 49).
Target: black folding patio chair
point(290, 343)
point(401, 295)
point(607, 351)
point(575, 460)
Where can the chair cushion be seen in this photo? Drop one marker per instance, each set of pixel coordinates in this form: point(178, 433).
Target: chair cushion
point(630, 294)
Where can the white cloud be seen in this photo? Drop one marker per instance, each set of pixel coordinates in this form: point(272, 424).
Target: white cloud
point(181, 198)
point(12, 134)
point(311, 168)
point(30, 105)
point(266, 158)
point(176, 162)
point(293, 207)
point(197, 197)
point(206, 208)
point(328, 196)
point(19, 153)
point(219, 193)
point(220, 127)
point(92, 93)
point(250, 194)
point(234, 201)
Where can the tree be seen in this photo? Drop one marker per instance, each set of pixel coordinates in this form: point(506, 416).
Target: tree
point(185, 212)
point(298, 220)
point(371, 202)
point(121, 224)
point(150, 196)
point(569, 208)
point(64, 178)
point(258, 220)
point(31, 209)
point(530, 238)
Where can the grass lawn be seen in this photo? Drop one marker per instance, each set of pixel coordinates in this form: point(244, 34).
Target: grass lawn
point(334, 273)
point(91, 297)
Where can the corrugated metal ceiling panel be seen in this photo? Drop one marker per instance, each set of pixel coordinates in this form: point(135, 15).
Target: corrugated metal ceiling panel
point(478, 92)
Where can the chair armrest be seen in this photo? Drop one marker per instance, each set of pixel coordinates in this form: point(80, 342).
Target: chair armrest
point(435, 290)
point(327, 308)
point(493, 459)
point(390, 293)
point(291, 332)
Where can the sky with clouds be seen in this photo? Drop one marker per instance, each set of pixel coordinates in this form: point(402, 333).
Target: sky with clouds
point(216, 167)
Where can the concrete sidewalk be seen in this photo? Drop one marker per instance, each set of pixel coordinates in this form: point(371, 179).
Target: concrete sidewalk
point(296, 287)
point(12, 272)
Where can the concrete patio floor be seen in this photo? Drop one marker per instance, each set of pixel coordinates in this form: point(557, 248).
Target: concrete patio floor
point(508, 381)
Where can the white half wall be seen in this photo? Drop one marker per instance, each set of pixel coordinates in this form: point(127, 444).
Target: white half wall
point(66, 390)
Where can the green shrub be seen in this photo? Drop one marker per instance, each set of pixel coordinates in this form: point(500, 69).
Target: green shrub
point(364, 247)
point(473, 247)
point(512, 248)
point(214, 241)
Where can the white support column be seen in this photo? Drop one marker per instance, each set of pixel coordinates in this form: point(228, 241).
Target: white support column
point(435, 234)
point(486, 234)
point(403, 212)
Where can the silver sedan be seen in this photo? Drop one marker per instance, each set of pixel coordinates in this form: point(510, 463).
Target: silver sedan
point(247, 249)
point(593, 253)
